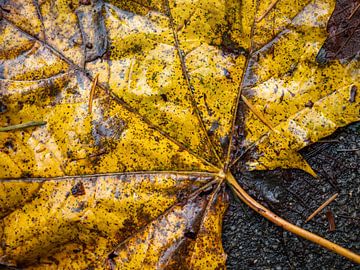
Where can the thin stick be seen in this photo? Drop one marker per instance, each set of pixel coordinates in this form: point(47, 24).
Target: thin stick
point(92, 91)
point(348, 150)
point(257, 113)
point(24, 125)
point(321, 207)
point(253, 204)
point(354, 11)
point(267, 11)
point(328, 141)
point(130, 74)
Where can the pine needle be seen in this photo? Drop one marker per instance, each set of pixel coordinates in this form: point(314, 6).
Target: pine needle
point(257, 113)
point(267, 11)
point(22, 126)
point(321, 207)
point(354, 11)
point(92, 91)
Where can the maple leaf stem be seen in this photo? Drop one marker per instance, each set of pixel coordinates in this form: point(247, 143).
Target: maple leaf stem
point(253, 204)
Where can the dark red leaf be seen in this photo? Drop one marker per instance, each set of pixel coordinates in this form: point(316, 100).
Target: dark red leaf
point(344, 32)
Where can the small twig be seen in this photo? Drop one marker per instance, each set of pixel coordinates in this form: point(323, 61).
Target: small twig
point(347, 150)
point(347, 217)
point(267, 11)
point(347, 40)
point(92, 91)
point(316, 150)
point(354, 11)
point(321, 207)
point(103, 152)
point(257, 113)
point(130, 74)
point(328, 141)
point(24, 125)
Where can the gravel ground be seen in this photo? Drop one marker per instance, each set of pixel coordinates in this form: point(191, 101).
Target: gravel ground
point(252, 242)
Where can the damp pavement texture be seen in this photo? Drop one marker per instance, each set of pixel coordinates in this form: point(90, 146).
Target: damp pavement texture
point(252, 242)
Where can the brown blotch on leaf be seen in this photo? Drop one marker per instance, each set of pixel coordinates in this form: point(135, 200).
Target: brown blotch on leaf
point(309, 104)
point(3, 107)
point(190, 235)
point(353, 91)
point(85, 2)
point(78, 189)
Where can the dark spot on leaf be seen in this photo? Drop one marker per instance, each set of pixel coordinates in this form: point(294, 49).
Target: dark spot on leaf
point(78, 189)
point(309, 104)
point(190, 234)
point(4, 9)
point(227, 73)
point(229, 46)
point(353, 91)
point(321, 57)
point(79, 208)
point(84, 2)
point(70, 154)
point(53, 259)
point(224, 141)
point(213, 128)
point(107, 130)
point(9, 144)
point(107, 55)
point(164, 97)
point(25, 174)
point(3, 107)
point(54, 90)
point(112, 255)
point(20, 105)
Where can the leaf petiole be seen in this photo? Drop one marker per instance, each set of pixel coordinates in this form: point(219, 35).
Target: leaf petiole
point(23, 125)
point(253, 204)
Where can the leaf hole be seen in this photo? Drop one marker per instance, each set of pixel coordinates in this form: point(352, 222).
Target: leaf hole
point(112, 255)
point(190, 235)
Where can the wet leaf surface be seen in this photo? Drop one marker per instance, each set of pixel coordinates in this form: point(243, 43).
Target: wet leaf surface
point(145, 105)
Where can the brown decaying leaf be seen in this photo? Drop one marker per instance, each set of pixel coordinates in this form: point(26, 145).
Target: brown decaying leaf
point(331, 220)
point(344, 32)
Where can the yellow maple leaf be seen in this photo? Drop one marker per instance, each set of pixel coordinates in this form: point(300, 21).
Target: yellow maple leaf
point(119, 123)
